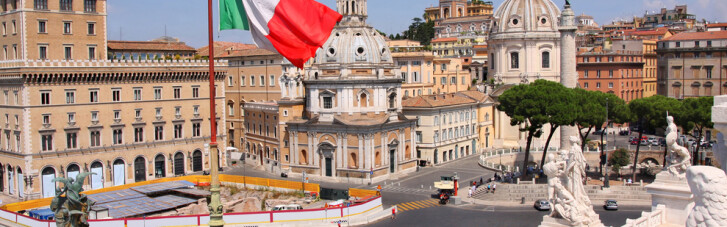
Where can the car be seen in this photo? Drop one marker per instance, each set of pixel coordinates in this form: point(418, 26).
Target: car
point(542, 205)
point(644, 142)
point(610, 205)
point(634, 141)
point(287, 207)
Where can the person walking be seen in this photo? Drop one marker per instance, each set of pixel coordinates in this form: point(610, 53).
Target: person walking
point(469, 195)
point(393, 213)
point(494, 187)
point(489, 187)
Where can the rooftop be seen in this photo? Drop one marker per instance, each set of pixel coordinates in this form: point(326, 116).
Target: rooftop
point(684, 36)
point(717, 25)
point(439, 40)
point(221, 46)
point(148, 45)
point(442, 100)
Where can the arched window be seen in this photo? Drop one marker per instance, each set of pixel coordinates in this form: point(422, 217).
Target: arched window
point(392, 101)
point(159, 166)
point(179, 163)
point(139, 169)
point(377, 159)
point(49, 186)
point(197, 161)
point(119, 172)
point(97, 179)
point(546, 60)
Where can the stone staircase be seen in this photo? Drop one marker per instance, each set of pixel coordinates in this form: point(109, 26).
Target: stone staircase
point(514, 192)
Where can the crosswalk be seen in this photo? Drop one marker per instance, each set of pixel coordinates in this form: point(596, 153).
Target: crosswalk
point(421, 204)
point(389, 188)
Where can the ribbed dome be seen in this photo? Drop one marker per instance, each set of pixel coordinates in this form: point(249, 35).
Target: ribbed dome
point(526, 15)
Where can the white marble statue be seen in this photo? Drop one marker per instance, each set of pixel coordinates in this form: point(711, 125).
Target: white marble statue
point(566, 193)
point(720, 152)
point(709, 186)
point(678, 159)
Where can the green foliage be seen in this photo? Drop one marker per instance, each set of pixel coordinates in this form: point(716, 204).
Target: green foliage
point(619, 158)
point(651, 111)
point(589, 112)
point(381, 33)
point(419, 30)
point(696, 114)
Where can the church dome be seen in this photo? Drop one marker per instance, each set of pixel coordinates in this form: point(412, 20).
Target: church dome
point(354, 49)
point(526, 16)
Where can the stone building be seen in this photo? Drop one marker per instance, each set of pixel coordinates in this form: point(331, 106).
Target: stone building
point(150, 50)
point(450, 126)
point(616, 72)
point(648, 49)
point(455, 18)
point(125, 121)
point(417, 69)
point(53, 30)
point(692, 65)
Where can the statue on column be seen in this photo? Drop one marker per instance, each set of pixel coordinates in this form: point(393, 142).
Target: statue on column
point(678, 158)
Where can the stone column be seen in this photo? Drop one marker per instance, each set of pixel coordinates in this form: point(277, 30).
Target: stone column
point(568, 73)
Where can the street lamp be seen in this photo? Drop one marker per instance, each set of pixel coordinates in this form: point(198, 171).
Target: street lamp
point(604, 153)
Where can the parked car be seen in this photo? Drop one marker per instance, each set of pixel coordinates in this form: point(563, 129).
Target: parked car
point(644, 142)
point(541, 205)
point(610, 205)
point(634, 141)
point(288, 207)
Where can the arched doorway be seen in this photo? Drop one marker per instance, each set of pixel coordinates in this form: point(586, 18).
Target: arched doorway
point(392, 155)
point(72, 171)
point(326, 151)
point(97, 178)
point(178, 163)
point(197, 161)
point(159, 166)
point(21, 182)
point(119, 172)
point(48, 186)
point(11, 182)
point(436, 156)
point(139, 169)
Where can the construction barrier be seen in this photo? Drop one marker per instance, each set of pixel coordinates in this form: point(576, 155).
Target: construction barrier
point(323, 215)
point(197, 179)
point(360, 193)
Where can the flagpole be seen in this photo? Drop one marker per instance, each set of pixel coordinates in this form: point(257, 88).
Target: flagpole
point(215, 204)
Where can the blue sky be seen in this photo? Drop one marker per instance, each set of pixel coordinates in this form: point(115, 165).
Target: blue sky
point(187, 19)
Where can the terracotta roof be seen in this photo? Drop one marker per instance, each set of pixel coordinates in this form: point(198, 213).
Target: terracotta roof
point(649, 32)
point(453, 39)
point(245, 53)
point(698, 36)
point(148, 45)
point(221, 46)
point(429, 101)
point(717, 25)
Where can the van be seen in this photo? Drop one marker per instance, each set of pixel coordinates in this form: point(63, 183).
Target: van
point(287, 207)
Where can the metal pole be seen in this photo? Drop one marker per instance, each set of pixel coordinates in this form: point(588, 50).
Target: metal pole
point(215, 205)
point(604, 152)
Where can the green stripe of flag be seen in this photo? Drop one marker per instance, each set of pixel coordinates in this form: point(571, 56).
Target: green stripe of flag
point(233, 15)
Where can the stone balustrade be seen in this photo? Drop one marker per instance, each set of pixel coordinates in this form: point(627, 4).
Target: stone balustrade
point(107, 63)
point(654, 218)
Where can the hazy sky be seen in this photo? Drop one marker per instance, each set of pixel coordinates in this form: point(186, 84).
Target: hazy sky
point(187, 19)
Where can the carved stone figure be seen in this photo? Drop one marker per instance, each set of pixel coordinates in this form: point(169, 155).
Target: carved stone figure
point(678, 159)
point(709, 186)
point(565, 187)
point(72, 208)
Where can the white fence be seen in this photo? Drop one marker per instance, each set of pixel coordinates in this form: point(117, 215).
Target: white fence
point(323, 215)
point(649, 219)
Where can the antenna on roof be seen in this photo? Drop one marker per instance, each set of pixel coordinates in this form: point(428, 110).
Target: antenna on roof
point(165, 30)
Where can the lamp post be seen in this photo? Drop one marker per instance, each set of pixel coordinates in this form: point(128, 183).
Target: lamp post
point(604, 153)
point(215, 204)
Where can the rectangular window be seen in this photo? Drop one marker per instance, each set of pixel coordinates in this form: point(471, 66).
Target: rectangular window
point(262, 81)
point(91, 53)
point(610, 73)
point(230, 81)
point(41, 26)
point(242, 81)
point(67, 28)
point(91, 28)
point(117, 114)
point(585, 74)
point(514, 60)
point(195, 92)
point(546, 60)
point(46, 142)
point(15, 27)
point(95, 138)
point(46, 119)
point(94, 116)
point(45, 97)
point(66, 5)
point(444, 80)
point(610, 85)
point(137, 94)
point(598, 85)
point(585, 85)
point(272, 80)
point(43, 52)
point(598, 73)
point(116, 95)
point(41, 4)
point(118, 136)
point(157, 93)
point(70, 97)
point(72, 140)
point(89, 6)
point(178, 131)
point(679, 44)
point(5, 29)
point(196, 130)
point(93, 96)
point(138, 135)
point(419, 136)
point(158, 133)
point(453, 80)
point(177, 92)
point(327, 102)
point(709, 73)
point(252, 81)
point(68, 52)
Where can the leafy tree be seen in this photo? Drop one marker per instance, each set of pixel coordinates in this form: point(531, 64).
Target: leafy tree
point(650, 113)
point(381, 33)
point(560, 102)
point(589, 112)
point(391, 37)
point(525, 106)
point(696, 115)
point(618, 159)
point(419, 30)
point(398, 36)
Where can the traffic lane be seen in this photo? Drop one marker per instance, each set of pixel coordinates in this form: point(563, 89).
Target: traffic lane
point(497, 216)
point(467, 169)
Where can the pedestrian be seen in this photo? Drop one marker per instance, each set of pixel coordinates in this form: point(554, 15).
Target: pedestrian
point(480, 180)
point(474, 189)
point(488, 188)
point(393, 213)
point(494, 186)
point(469, 195)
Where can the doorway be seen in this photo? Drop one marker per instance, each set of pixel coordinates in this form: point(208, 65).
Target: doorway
point(119, 175)
point(97, 178)
point(179, 164)
point(139, 169)
point(197, 161)
point(49, 186)
point(159, 167)
point(329, 167)
point(392, 159)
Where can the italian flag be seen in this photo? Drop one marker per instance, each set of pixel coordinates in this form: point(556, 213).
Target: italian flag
point(293, 28)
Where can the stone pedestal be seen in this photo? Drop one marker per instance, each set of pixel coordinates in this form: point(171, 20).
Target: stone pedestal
point(455, 200)
point(672, 192)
